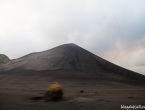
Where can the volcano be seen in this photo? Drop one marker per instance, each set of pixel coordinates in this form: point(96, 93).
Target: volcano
point(89, 82)
point(69, 57)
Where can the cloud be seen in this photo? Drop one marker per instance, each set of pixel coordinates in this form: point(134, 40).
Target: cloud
point(112, 29)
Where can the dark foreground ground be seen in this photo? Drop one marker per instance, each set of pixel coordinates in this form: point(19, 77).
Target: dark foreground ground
point(23, 91)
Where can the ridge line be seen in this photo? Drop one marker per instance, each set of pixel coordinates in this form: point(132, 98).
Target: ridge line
point(77, 57)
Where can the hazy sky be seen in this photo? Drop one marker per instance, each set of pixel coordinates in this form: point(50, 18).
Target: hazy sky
point(112, 29)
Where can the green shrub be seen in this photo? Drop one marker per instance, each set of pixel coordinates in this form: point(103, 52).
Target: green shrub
point(53, 92)
point(4, 59)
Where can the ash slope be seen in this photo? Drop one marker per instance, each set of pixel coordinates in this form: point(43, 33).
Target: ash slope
point(70, 57)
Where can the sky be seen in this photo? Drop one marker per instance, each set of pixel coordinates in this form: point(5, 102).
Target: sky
point(111, 29)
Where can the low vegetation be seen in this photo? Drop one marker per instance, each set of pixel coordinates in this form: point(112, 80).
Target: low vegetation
point(4, 59)
point(53, 92)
